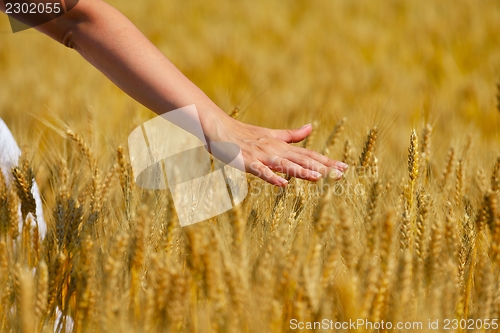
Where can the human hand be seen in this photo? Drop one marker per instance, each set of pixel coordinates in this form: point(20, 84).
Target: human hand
point(266, 150)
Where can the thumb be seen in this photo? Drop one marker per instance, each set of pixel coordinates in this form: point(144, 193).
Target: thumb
point(295, 135)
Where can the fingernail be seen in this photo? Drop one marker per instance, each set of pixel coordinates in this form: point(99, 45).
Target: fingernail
point(282, 181)
point(343, 166)
point(336, 174)
point(316, 174)
point(306, 125)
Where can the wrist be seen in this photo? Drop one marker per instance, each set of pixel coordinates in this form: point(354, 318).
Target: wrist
point(214, 122)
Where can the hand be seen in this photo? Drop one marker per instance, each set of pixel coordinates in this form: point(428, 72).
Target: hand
point(266, 150)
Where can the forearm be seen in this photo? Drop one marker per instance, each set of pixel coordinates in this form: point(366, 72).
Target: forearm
point(111, 43)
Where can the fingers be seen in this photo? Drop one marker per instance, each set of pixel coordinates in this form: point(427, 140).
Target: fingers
point(290, 168)
point(295, 135)
point(258, 169)
point(321, 159)
point(307, 162)
point(308, 171)
point(272, 153)
point(300, 134)
point(293, 165)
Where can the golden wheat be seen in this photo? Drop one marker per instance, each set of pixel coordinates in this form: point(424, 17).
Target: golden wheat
point(411, 233)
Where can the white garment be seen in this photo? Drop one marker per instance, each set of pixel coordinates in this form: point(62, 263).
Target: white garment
point(9, 157)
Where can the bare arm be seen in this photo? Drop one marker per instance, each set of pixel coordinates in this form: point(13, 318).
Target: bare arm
point(110, 42)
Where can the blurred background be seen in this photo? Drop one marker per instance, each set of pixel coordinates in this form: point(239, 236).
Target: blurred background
point(397, 64)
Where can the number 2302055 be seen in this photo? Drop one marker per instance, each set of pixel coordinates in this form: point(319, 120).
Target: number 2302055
point(33, 8)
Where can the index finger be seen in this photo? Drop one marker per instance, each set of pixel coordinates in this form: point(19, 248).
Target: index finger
point(321, 158)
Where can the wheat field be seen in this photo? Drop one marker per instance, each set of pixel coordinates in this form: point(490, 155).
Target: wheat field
point(404, 91)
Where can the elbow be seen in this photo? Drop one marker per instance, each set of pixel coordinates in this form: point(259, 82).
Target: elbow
point(69, 25)
point(66, 37)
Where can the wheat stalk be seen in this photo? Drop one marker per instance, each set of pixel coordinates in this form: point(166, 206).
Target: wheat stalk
point(366, 157)
point(450, 161)
point(413, 162)
point(334, 137)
